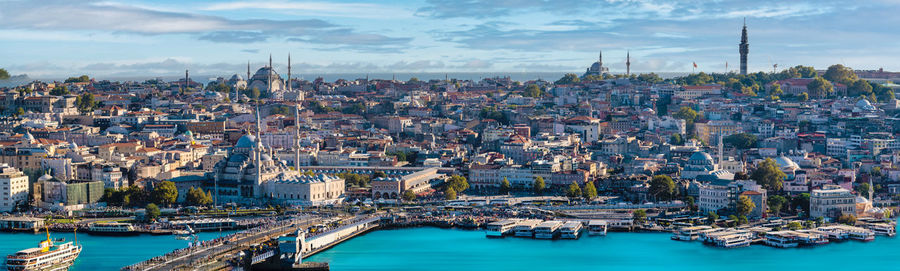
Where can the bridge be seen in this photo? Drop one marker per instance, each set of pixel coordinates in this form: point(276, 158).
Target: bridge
point(223, 252)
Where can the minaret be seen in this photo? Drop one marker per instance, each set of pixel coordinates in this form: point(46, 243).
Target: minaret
point(297, 138)
point(628, 63)
point(270, 60)
point(600, 60)
point(186, 80)
point(248, 73)
point(744, 48)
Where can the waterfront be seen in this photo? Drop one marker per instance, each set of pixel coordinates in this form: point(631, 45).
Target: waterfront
point(437, 249)
point(104, 252)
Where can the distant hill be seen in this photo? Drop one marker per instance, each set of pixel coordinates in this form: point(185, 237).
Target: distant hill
point(16, 80)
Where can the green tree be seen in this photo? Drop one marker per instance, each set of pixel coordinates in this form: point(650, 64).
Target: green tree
point(859, 87)
point(539, 185)
point(59, 91)
point(198, 197)
point(794, 225)
point(776, 202)
point(379, 174)
point(651, 78)
point(590, 191)
point(282, 110)
point(573, 190)
point(662, 187)
point(690, 202)
point(803, 97)
point(741, 141)
point(839, 73)
point(676, 139)
point(819, 88)
point(687, 114)
point(745, 205)
point(862, 189)
point(80, 79)
point(711, 217)
point(458, 183)
point(408, 195)
point(152, 212)
point(847, 219)
point(505, 187)
point(801, 201)
point(19, 112)
point(742, 220)
point(533, 91)
point(165, 193)
point(568, 79)
point(768, 175)
point(640, 216)
point(4, 74)
point(449, 193)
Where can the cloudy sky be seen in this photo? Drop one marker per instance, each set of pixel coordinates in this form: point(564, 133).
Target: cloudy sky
point(49, 38)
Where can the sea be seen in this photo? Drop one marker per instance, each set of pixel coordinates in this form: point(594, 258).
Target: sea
point(103, 252)
point(435, 249)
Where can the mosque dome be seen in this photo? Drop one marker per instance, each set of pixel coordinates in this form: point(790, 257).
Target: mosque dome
point(236, 77)
point(189, 134)
point(45, 178)
point(864, 104)
point(73, 146)
point(701, 158)
point(784, 162)
point(246, 141)
point(28, 137)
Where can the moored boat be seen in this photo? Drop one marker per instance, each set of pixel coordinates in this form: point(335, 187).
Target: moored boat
point(547, 229)
point(112, 228)
point(597, 227)
point(570, 230)
point(50, 255)
point(526, 228)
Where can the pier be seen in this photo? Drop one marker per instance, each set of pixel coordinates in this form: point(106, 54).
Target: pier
point(230, 251)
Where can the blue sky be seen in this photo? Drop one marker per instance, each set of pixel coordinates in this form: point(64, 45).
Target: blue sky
point(131, 37)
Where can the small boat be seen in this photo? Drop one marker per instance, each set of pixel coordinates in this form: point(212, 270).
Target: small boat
point(570, 230)
point(886, 229)
point(689, 233)
point(500, 228)
point(112, 228)
point(597, 227)
point(547, 229)
point(50, 255)
point(781, 239)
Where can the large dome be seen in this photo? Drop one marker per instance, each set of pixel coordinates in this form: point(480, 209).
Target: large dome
point(784, 162)
point(246, 141)
point(701, 156)
point(864, 104)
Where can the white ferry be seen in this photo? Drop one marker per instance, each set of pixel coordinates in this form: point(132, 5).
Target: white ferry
point(733, 240)
point(597, 227)
point(547, 229)
point(570, 230)
point(526, 228)
point(833, 233)
point(781, 239)
point(886, 229)
point(112, 228)
point(500, 228)
point(689, 233)
point(48, 256)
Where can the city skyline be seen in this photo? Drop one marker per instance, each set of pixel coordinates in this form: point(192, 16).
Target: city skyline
point(163, 38)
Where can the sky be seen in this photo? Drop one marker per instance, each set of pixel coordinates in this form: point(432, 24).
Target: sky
point(57, 39)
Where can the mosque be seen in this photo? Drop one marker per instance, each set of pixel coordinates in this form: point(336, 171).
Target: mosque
point(249, 173)
point(269, 82)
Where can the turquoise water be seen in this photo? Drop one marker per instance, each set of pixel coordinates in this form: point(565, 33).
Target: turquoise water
point(104, 252)
point(455, 250)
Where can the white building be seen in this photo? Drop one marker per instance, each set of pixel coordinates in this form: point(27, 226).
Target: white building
point(14, 185)
point(306, 190)
point(831, 201)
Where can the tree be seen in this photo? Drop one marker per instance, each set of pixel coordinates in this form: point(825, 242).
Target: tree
point(862, 188)
point(651, 78)
point(640, 216)
point(662, 187)
point(687, 114)
point(768, 175)
point(20, 111)
point(533, 91)
point(573, 190)
point(4, 74)
point(801, 201)
point(776, 202)
point(841, 74)
point(676, 139)
point(165, 193)
point(711, 217)
point(690, 202)
point(505, 187)
point(85, 102)
point(859, 87)
point(590, 191)
point(80, 79)
point(742, 220)
point(539, 185)
point(408, 195)
point(59, 91)
point(847, 219)
point(282, 110)
point(379, 174)
point(449, 194)
point(152, 212)
point(198, 197)
point(254, 93)
point(458, 183)
point(803, 97)
point(819, 88)
point(794, 225)
point(568, 79)
point(745, 205)
point(741, 141)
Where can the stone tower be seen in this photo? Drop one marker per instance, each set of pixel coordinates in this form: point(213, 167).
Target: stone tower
point(744, 48)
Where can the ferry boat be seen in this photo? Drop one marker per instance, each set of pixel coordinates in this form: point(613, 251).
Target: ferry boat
point(733, 240)
point(547, 229)
point(886, 229)
point(570, 230)
point(112, 228)
point(781, 239)
point(500, 228)
point(597, 227)
point(861, 234)
point(48, 256)
point(689, 233)
point(526, 228)
point(811, 238)
point(833, 233)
